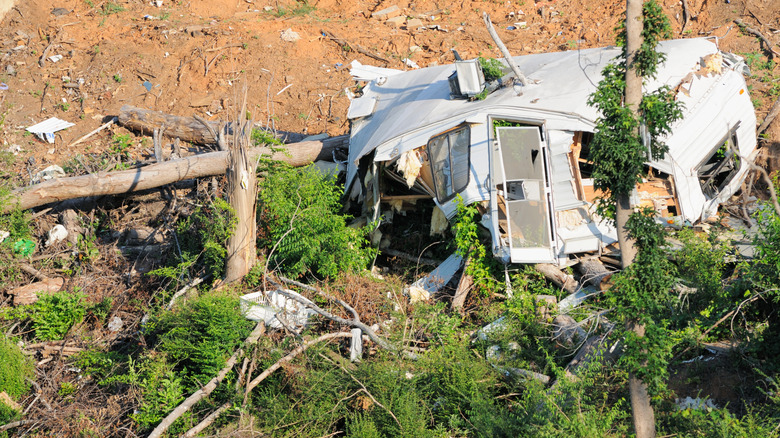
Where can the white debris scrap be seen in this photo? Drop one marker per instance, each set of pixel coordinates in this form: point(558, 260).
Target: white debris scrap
point(57, 234)
point(274, 308)
point(46, 129)
point(51, 172)
point(290, 35)
point(4, 235)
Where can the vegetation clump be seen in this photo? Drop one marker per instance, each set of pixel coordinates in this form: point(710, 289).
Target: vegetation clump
point(301, 224)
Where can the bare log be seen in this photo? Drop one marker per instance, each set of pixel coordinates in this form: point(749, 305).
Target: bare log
point(595, 273)
point(465, 284)
point(504, 51)
point(186, 128)
point(160, 174)
point(766, 43)
point(207, 421)
point(558, 277)
point(242, 195)
point(773, 112)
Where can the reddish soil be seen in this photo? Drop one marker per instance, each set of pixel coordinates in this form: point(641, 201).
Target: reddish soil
point(197, 55)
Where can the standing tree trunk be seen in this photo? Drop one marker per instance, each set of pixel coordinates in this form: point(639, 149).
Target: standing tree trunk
point(242, 195)
point(641, 410)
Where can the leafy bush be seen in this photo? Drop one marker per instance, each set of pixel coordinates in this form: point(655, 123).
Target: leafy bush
point(159, 390)
point(14, 369)
point(54, 314)
point(299, 221)
point(203, 237)
point(492, 68)
point(483, 266)
point(200, 336)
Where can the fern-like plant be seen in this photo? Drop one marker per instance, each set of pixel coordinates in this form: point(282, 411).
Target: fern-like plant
point(300, 224)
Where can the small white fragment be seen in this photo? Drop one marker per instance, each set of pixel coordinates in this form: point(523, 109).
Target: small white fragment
point(55, 58)
point(290, 35)
point(115, 324)
point(4, 235)
point(57, 234)
point(48, 173)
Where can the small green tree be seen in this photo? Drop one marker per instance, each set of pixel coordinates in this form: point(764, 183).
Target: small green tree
point(300, 223)
point(619, 152)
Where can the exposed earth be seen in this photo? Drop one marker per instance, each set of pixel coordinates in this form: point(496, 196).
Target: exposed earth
point(196, 54)
point(194, 57)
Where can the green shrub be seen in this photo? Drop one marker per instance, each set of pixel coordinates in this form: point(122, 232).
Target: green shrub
point(201, 335)
point(159, 387)
point(203, 237)
point(54, 314)
point(483, 267)
point(493, 69)
point(299, 221)
point(14, 368)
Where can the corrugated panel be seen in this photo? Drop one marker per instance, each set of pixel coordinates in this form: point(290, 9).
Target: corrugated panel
point(564, 191)
point(50, 125)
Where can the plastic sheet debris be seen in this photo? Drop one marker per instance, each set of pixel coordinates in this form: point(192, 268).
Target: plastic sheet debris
point(275, 309)
point(115, 324)
point(55, 58)
point(24, 247)
point(4, 235)
point(57, 234)
point(3, 86)
point(46, 129)
point(422, 289)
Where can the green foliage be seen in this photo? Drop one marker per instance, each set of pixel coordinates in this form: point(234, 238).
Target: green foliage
point(203, 237)
point(492, 68)
point(302, 7)
point(299, 221)
point(15, 368)
point(262, 137)
point(640, 296)
point(160, 390)
point(67, 388)
point(701, 265)
point(200, 336)
point(7, 415)
point(655, 27)
point(617, 147)
point(53, 315)
point(110, 8)
point(17, 225)
point(711, 422)
point(482, 266)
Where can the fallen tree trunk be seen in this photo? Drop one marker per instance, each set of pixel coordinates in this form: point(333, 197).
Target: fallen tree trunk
point(193, 130)
point(557, 277)
point(160, 174)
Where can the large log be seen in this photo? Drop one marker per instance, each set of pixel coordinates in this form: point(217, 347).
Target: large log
point(557, 277)
point(160, 174)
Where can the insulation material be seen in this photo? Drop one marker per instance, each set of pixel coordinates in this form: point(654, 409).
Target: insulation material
point(712, 63)
point(396, 205)
point(439, 222)
point(409, 164)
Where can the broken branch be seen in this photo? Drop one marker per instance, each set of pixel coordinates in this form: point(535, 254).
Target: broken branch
point(206, 390)
point(504, 51)
point(290, 356)
point(765, 42)
point(356, 47)
point(769, 117)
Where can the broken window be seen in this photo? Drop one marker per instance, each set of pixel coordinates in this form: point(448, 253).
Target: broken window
point(449, 157)
point(717, 171)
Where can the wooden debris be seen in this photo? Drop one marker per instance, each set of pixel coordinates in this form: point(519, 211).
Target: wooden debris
point(8, 401)
point(465, 284)
point(160, 174)
point(29, 294)
point(504, 51)
point(595, 273)
point(558, 277)
point(356, 47)
point(773, 112)
point(104, 126)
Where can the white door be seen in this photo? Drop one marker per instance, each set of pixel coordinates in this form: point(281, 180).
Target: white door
point(523, 194)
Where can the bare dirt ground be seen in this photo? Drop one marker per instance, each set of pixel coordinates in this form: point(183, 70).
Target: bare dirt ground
point(195, 56)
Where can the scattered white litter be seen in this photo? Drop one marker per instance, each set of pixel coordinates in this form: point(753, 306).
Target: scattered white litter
point(4, 235)
point(271, 307)
point(411, 64)
point(46, 129)
point(694, 403)
point(55, 58)
point(115, 324)
point(51, 172)
point(57, 234)
point(290, 35)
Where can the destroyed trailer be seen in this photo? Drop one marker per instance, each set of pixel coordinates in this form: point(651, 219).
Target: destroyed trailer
point(522, 152)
